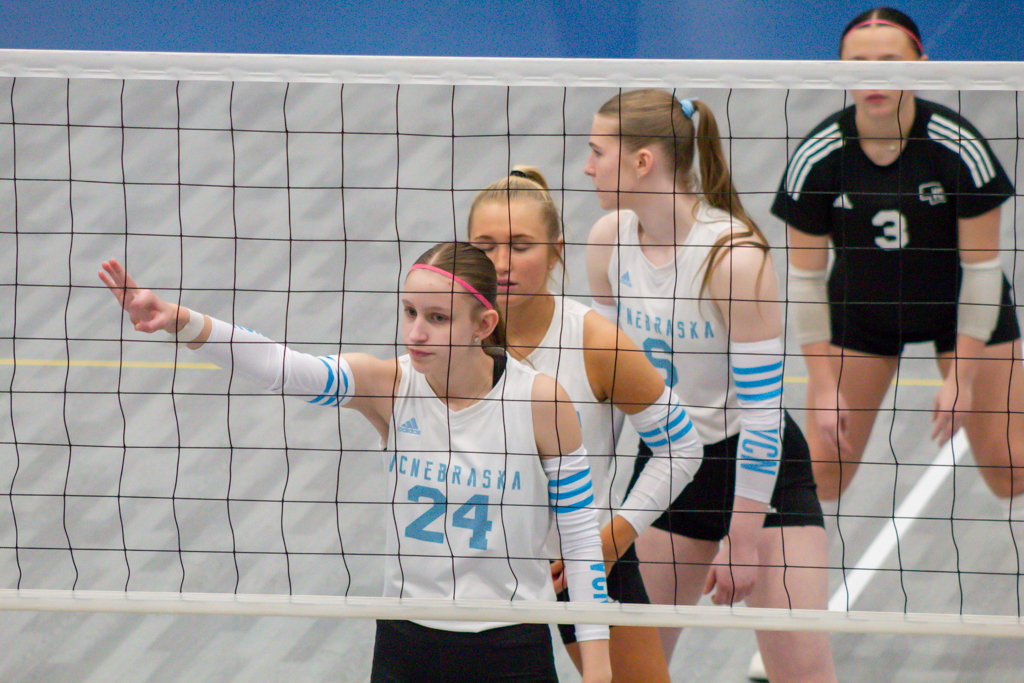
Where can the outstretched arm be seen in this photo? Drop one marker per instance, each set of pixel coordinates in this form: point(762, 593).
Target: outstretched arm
point(326, 380)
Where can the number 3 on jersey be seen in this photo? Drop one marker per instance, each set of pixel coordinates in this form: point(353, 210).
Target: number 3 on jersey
point(652, 346)
point(894, 229)
point(478, 523)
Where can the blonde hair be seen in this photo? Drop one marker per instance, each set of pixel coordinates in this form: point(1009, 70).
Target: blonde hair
point(524, 183)
point(655, 118)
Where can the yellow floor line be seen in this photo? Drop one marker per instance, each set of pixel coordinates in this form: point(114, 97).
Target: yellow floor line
point(63, 363)
point(153, 365)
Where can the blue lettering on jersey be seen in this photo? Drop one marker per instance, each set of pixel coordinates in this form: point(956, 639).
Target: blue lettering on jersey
point(682, 329)
point(425, 469)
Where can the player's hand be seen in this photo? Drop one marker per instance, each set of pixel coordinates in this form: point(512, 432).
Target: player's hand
point(733, 573)
point(147, 311)
point(558, 576)
point(832, 414)
point(953, 400)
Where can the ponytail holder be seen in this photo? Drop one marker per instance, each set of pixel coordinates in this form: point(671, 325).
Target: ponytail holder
point(688, 109)
point(518, 174)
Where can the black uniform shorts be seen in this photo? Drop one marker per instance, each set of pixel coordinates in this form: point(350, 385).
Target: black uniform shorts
point(852, 329)
point(406, 652)
point(625, 585)
point(704, 509)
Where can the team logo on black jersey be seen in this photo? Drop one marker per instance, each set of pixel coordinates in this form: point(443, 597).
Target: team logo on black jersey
point(409, 427)
point(933, 193)
point(843, 202)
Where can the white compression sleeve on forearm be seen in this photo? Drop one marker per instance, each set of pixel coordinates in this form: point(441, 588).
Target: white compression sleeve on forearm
point(676, 456)
point(325, 380)
point(570, 494)
point(757, 372)
point(981, 290)
point(808, 305)
point(609, 311)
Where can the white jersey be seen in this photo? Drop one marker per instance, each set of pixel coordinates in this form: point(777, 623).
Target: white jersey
point(661, 310)
point(469, 517)
point(560, 355)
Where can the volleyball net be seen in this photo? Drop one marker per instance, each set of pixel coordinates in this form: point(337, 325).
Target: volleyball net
point(290, 194)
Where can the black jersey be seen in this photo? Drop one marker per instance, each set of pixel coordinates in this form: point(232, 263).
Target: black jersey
point(894, 227)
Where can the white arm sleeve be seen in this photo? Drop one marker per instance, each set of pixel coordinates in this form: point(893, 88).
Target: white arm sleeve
point(808, 305)
point(571, 494)
point(324, 380)
point(757, 372)
point(981, 290)
point(676, 456)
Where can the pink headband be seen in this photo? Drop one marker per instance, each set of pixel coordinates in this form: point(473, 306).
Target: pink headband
point(468, 287)
point(871, 22)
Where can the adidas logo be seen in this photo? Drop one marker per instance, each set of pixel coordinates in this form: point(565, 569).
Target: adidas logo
point(842, 202)
point(624, 279)
point(409, 427)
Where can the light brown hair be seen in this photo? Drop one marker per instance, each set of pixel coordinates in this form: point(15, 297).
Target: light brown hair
point(472, 265)
point(652, 118)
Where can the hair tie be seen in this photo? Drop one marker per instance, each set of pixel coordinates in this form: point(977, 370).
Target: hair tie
point(688, 109)
point(885, 22)
point(518, 174)
point(468, 287)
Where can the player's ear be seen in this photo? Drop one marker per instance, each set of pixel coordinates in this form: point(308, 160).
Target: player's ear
point(486, 324)
point(644, 162)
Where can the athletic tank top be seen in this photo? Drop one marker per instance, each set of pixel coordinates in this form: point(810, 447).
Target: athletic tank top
point(470, 515)
point(660, 308)
point(560, 355)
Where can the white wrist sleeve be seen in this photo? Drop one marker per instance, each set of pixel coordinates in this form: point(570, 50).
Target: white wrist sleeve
point(192, 329)
point(571, 493)
point(324, 380)
point(981, 291)
point(757, 372)
point(609, 311)
point(808, 305)
point(676, 456)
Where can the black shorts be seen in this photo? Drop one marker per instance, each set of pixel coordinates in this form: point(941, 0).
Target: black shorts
point(853, 328)
point(704, 509)
point(406, 652)
point(625, 585)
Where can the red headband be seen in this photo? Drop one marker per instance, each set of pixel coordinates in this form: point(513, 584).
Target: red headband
point(468, 287)
point(871, 22)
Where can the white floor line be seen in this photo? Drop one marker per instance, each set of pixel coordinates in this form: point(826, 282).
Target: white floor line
point(905, 516)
